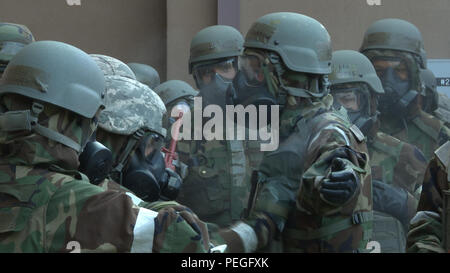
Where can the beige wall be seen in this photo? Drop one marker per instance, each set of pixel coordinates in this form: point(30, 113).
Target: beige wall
point(158, 32)
point(184, 19)
point(347, 20)
point(130, 30)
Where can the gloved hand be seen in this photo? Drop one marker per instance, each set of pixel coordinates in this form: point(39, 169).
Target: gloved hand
point(342, 183)
point(190, 217)
point(391, 200)
point(170, 185)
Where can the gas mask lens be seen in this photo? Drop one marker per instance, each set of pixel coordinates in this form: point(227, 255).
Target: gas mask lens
point(154, 142)
point(252, 67)
point(206, 74)
point(349, 99)
point(391, 67)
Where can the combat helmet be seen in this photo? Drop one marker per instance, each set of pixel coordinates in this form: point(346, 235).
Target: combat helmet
point(132, 120)
point(145, 74)
point(349, 66)
point(172, 90)
point(113, 67)
point(40, 72)
point(13, 38)
point(130, 106)
point(213, 60)
point(214, 43)
point(305, 56)
point(395, 34)
point(354, 85)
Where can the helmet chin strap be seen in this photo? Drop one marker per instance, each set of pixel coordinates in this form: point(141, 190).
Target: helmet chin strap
point(117, 171)
point(28, 120)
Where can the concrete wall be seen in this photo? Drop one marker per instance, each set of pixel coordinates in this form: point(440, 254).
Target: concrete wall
point(130, 30)
point(347, 20)
point(184, 19)
point(158, 32)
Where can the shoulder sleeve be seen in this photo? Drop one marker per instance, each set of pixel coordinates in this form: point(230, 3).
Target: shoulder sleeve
point(410, 168)
point(334, 141)
point(99, 220)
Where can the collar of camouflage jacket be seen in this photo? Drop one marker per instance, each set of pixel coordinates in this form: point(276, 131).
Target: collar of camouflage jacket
point(26, 147)
point(306, 108)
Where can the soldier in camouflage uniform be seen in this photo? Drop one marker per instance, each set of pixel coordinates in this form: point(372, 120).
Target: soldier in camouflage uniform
point(395, 48)
point(397, 167)
point(45, 204)
point(314, 191)
point(435, 103)
point(131, 127)
point(216, 187)
point(177, 96)
point(145, 74)
point(430, 228)
point(13, 38)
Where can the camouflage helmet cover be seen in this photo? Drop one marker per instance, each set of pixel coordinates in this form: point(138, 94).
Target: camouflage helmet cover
point(10, 32)
point(130, 106)
point(302, 42)
point(215, 42)
point(145, 74)
point(113, 67)
point(13, 38)
point(172, 90)
point(351, 66)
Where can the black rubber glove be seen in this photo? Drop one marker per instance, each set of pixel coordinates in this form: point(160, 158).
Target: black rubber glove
point(391, 200)
point(341, 184)
point(170, 185)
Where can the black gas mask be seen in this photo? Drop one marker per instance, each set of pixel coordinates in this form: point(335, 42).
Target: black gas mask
point(214, 93)
point(217, 73)
point(356, 100)
point(95, 161)
point(250, 85)
point(146, 176)
point(396, 80)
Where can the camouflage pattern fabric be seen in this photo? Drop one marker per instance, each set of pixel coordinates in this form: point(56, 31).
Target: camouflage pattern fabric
point(395, 162)
point(402, 165)
point(216, 186)
point(426, 230)
point(113, 67)
point(45, 204)
point(418, 127)
point(43, 210)
point(131, 105)
point(115, 143)
point(288, 204)
point(422, 130)
point(13, 38)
